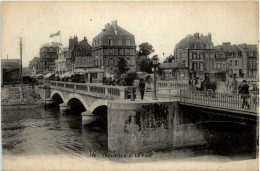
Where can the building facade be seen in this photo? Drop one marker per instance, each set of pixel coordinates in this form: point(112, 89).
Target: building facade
point(194, 51)
point(48, 55)
point(111, 44)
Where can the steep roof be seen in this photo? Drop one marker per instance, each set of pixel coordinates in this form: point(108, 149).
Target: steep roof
point(196, 39)
point(10, 63)
point(113, 30)
point(227, 47)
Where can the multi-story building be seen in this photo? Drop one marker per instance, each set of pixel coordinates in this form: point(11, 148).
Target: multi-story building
point(234, 60)
point(195, 52)
point(48, 55)
point(111, 44)
point(79, 53)
point(250, 61)
point(61, 62)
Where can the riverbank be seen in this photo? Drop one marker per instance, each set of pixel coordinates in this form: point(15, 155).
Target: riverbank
point(25, 96)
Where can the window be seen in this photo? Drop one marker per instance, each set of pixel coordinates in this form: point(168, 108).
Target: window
point(236, 63)
point(194, 56)
point(127, 52)
point(230, 53)
point(201, 66)
point(119, 41)
point(231, 62)
point(201, 56)
point(231, 72)
point(217, 65)
point(110, 42)
point(224, 65)
point(128, 41)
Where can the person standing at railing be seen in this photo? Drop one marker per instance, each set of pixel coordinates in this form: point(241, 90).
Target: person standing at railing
point(244, 91)
point(142, 88)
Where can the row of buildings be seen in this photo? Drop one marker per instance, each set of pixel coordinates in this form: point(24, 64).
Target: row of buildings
point(99, 60)
point(195, 55)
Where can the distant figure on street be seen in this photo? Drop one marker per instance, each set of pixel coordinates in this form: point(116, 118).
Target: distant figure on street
point(234, 86)
point(142, 88)
point(244, 91)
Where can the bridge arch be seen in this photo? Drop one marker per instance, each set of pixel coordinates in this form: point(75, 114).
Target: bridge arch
point(97, 104)
point(79, 97)
point(54, 92)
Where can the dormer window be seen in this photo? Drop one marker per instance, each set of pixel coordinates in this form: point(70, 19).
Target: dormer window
point(128, 41)
point(110, 41)
point(119, 41)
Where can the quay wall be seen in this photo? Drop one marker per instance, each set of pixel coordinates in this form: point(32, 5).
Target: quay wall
point(137, 126)
point(15, 95)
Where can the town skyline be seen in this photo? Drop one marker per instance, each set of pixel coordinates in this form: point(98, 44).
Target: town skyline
point(35, 23)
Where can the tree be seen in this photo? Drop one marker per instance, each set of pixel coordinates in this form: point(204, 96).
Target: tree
point(145, 49)
point(34, 62)
point(146, 66)
point(169, 59)
point(122, 66)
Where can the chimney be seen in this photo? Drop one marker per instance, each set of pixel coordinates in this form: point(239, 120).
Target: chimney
point(75, 40)
point(85, 38)
point(196, 35)
point(70, 43)
point(114, 24)
point(209, 36)
point(107, 25)
point(103, 30)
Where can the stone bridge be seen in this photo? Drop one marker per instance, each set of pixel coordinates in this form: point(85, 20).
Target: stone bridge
point(91, 95)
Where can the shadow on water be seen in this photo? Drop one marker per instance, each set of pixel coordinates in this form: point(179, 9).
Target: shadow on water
point(229, 138)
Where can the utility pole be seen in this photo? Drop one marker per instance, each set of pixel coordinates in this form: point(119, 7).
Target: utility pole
point(21, 60)
point(21, 66)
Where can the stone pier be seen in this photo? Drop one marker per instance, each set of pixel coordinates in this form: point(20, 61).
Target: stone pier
point(88, 117)
point(64, 107)
point(138, 126)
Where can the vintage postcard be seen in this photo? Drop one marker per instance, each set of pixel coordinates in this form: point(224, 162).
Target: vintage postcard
point(129, 85)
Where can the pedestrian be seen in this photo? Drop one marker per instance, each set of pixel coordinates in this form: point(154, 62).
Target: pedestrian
point(244, 91)
point(142, 88)
point(234, 86)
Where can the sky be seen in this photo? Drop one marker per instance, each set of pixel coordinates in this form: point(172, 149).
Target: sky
point(162, 24)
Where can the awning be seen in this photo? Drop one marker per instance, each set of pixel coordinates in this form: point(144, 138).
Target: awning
point(48, 75)
point(79, 71)
point(66, 74)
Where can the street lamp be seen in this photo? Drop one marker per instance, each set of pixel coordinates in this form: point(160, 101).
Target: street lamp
point(155, 60)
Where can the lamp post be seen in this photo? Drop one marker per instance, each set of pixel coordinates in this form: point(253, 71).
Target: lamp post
point(155, 60)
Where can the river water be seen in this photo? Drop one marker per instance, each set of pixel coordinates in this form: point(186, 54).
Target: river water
point(39, 131)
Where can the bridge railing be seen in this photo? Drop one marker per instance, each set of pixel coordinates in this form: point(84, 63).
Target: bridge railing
point(176, 85)
point(222, 100)
point(104, 91)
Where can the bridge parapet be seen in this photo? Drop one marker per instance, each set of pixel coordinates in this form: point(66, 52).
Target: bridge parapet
point(221, 100)
point(92, 89)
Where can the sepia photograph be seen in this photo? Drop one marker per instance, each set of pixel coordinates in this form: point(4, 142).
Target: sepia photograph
point(120, 85)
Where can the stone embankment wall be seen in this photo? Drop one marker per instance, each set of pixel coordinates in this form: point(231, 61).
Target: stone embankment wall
point(142, 126)
point(15, 95)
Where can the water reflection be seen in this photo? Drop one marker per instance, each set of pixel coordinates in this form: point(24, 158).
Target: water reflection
point(38, 132)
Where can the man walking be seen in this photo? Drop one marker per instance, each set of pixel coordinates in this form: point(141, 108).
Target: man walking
point(142, 88)
point(244, 93)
